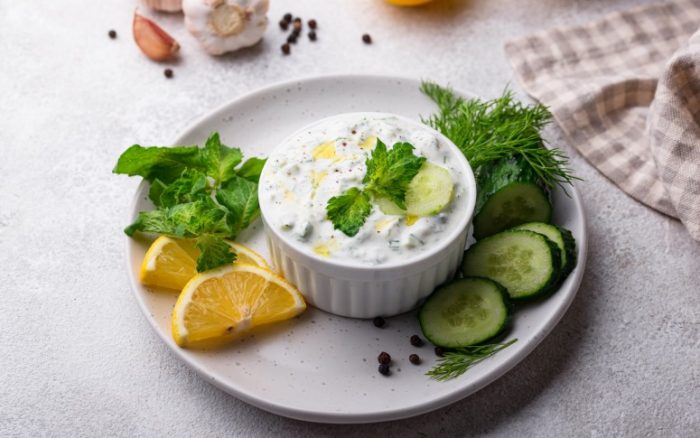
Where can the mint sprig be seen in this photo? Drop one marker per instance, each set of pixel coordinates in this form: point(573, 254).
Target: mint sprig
point(199, 193)
point(388, 174)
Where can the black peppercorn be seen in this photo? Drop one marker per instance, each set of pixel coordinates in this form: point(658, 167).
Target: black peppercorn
point(112, 34)
point(285, 49)
point(296, 32)
point(416, 341)
point(383, 369)
point(378, 322)
point(439, 351)
point(168, 73)
point(414, 359)
point(284, 25)
point(296, 25)
point(367, 39)
point(312, 24)
point(292, 39)
point(287, 17)
point(384, 358)
point(312, 35)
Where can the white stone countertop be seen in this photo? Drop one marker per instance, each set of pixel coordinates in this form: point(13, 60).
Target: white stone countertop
point(77, 357)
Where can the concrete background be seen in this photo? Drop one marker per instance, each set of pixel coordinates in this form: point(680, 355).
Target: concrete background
point(77, 358)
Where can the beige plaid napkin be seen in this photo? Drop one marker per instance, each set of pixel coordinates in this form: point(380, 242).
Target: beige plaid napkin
point(626, 92)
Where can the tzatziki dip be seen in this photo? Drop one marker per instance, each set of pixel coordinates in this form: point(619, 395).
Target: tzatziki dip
point(327, 158)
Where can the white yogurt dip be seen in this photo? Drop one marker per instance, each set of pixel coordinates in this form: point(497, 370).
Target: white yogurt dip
point(327, 158)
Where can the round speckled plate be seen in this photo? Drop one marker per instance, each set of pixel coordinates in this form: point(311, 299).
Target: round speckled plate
point(321, 367)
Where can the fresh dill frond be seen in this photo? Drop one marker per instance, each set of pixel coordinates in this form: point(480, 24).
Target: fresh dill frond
point(456, 362)
point(489, 130)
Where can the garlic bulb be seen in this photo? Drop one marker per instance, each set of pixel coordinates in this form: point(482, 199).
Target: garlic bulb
point(226, 25)
point(164, 5)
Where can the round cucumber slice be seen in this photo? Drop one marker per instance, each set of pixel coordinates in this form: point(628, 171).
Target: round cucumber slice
point(526, 263)
point(428, 193)
point(562, 238)
point(510, 206)
point(465, 312)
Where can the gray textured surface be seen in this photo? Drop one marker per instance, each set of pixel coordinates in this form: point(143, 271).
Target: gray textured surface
point(77, 358)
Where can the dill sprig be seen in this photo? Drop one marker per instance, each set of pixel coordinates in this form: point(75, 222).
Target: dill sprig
point(489, 130)
point(457, 361)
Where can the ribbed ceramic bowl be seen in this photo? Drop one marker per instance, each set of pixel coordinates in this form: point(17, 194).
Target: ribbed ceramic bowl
point(349, 288)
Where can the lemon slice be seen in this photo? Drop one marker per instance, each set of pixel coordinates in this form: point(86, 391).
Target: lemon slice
point(170, 263)
point(216, 306)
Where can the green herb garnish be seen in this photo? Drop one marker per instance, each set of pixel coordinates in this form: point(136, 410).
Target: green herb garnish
point(489, 130)
point(200, 193)
point(349, 211)
point(457, 361)
point(388, 174)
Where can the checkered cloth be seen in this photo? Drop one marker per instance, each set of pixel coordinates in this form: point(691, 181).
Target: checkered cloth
point(626, 92)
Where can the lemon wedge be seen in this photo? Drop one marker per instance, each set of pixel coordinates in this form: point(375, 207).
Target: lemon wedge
point(170, 263)
point(218, 305)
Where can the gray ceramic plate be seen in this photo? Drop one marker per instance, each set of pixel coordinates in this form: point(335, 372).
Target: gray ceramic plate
point(321, 367)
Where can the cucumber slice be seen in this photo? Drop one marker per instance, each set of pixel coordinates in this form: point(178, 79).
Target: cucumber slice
point(510, 193)
point(524, 262)
point(562, 238)
point(387, 206)
point(428, 193)
point(465, 312)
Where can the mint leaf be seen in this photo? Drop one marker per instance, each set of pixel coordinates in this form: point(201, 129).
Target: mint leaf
point(154, 162)
point(390, 172)
point(349, 211)
point(215, 252)
point(183, 220)
point(251, 169)
point(199, 217)
point(155, 221)
point(191, 186)
point(240, 197)
point(376, 163)
point(220, 160)
point(157, 188)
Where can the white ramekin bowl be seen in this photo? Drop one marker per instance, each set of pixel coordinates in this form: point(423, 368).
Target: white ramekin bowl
point(348, 288)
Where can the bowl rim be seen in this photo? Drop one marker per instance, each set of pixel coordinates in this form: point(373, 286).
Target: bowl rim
point(417, 259)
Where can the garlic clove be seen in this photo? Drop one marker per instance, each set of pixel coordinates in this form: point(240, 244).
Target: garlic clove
point(153, 41)
point(164, 5)
point(226, 25)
